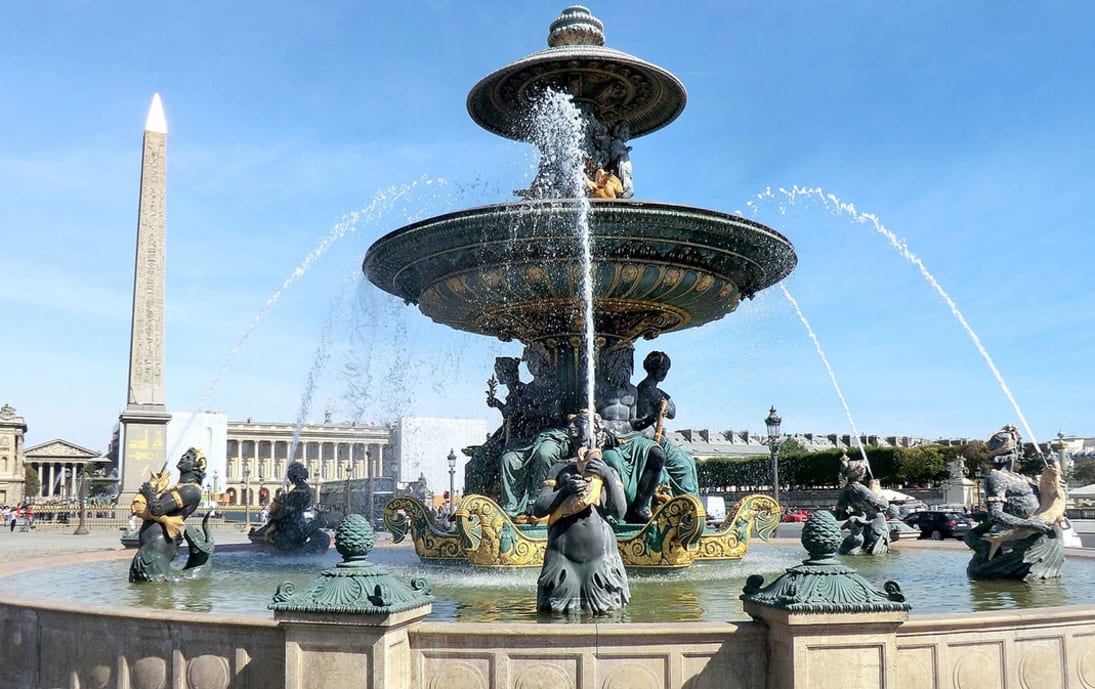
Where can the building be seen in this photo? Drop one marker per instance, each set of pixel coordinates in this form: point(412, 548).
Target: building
point(12, 474)
point(60, 466)
point(257, 456)
point(424, 445)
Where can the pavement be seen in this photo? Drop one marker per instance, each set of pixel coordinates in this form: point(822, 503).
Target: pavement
point(48, 541)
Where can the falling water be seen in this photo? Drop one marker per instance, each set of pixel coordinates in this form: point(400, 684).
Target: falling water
point(835, 205)
point(383, 201)
point(832, 376)
point(560, 132)
point(319, 360)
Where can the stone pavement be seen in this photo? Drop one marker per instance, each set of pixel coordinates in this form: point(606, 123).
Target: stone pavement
point(52, 540)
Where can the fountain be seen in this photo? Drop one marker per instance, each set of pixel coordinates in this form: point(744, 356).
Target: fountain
point(577, 270)
point(506, 271)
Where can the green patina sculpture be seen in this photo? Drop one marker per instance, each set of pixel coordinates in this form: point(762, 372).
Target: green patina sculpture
point(1019, 537)
point(163, 511)
point(288, 527)
point(582, 567)
point(821, 584)
point(355, 585)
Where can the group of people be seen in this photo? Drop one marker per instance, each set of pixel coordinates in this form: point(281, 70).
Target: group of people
point(19, 515)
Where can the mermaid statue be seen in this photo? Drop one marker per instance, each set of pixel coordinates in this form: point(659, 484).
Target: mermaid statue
point(163, 511)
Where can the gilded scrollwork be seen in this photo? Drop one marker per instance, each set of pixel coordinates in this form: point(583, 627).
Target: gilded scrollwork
point(404, 514)
point(731, 540)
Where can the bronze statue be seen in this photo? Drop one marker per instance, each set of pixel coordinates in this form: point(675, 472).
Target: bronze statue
point(288, 528)
point(1019, 537)
point(582, 567)
point(643, 463)
point(864, 510)
point(163, 512)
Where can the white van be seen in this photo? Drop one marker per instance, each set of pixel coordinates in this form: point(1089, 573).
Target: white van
point(715, 507)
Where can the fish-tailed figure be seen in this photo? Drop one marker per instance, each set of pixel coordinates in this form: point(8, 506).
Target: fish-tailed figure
point(1019, 537)
point(163, 511)
point(582, 570)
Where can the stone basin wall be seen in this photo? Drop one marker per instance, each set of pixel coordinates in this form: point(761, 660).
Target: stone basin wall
point(51, 645)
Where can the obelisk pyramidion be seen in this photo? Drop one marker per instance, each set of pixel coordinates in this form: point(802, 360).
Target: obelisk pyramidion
point(144, 421)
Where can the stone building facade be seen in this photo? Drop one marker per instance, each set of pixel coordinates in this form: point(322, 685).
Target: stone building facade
point(59, 465)
point(12, 430)
point(257, 457)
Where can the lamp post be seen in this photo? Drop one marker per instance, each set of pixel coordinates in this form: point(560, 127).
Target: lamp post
point(452, 480)
point(349, 469)
point(978, 476)
point(81, 528)
point(247, 495)
point(215, 493)
point(773, 422)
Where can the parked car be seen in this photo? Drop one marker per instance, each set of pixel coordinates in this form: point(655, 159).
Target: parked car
point(795, 516)
point(937, 525)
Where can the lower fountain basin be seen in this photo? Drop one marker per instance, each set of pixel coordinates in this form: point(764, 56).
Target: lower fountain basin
point(243, 582)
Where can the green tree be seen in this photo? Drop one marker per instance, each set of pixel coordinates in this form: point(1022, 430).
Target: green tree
point(1084, 472)
point(31, 483)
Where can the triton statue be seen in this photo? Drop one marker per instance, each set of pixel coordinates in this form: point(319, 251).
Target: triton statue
point(1019, 537)
point(163, 511)
point(582, 566)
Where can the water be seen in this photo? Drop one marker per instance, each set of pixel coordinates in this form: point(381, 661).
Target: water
point(382, 203)
point(560, 132)
point(839, 207)
point(244, 582)
point(829, 368)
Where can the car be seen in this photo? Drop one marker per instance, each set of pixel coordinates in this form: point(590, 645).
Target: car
point(795, 516)
point(937, 525)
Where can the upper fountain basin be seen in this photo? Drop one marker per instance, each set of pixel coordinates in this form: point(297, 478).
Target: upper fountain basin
point(513, 270)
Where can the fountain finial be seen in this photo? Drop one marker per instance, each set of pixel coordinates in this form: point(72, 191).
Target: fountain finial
point(576, 26)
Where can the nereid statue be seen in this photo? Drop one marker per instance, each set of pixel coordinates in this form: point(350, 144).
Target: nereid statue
point(288, 527)
point(1019, 537)
point(866, 511)
point(162, 512)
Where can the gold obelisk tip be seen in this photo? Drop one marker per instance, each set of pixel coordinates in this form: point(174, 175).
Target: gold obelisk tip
point(156, 121)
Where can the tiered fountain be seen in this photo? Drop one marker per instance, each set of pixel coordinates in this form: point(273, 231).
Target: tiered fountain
point(515, 271)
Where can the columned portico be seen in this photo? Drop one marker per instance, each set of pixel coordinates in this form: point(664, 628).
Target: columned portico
point(258, 455)
point(59, 465)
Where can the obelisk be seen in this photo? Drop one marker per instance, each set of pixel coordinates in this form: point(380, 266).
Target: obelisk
point(144, 421)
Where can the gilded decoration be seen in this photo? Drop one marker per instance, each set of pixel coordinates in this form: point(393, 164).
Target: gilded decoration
point(669, 539)
point(731, 540)
point(404, 515)
point(491, 537)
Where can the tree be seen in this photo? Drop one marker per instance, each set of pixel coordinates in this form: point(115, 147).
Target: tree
point(31, 483)
point(1084, 472)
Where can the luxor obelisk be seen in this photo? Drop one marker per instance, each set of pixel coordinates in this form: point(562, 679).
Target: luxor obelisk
point(144, 421)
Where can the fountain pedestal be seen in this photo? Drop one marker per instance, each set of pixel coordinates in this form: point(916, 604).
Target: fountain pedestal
point(352, 622)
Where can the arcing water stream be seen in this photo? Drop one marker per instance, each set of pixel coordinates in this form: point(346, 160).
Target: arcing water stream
point(839, 207)
point(382, 203)
point(832, 376)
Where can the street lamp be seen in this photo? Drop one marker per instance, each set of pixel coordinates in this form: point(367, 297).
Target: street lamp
point(978, 476)
point(452, 480)
point(349, 469)
point(772, 422)
point(247, 495)
point(81, 528)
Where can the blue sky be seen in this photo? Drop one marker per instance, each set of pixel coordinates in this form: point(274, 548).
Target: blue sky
point(965, 129)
